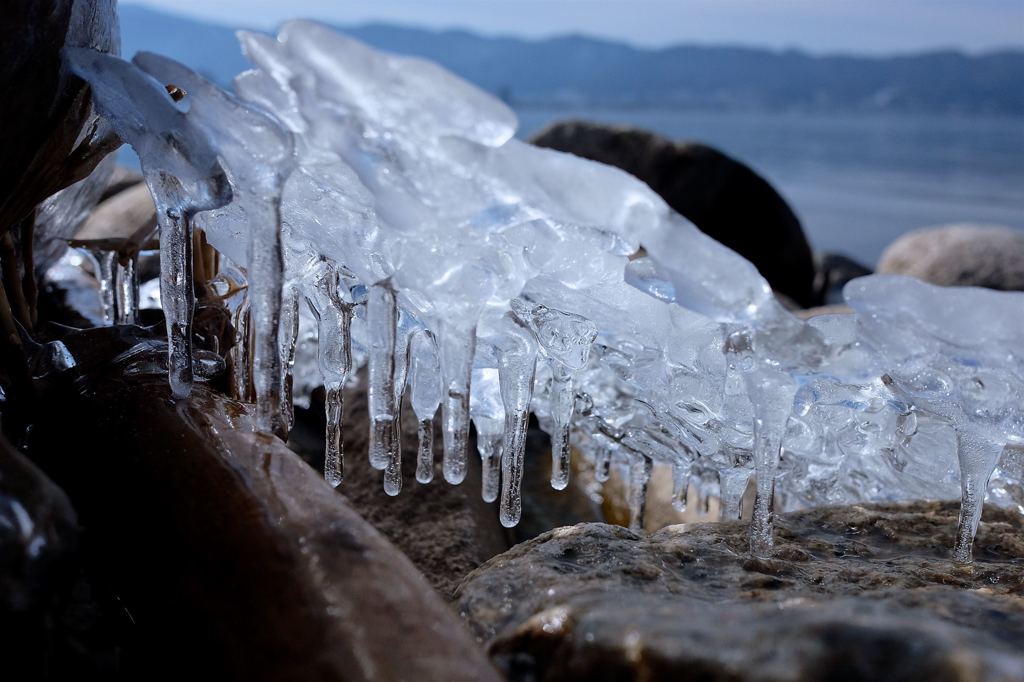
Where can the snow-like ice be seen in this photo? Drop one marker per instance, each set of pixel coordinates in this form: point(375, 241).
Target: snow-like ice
point(489, 278)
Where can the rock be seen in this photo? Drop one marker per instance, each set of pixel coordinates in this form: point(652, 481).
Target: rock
point(223, 544)
point(124, 222)
point(857, 592)
point(445, 530)
point(723, 197)
point(959, 255)
point(38, 531)
point(834, 271)
point(44, 122)
point(121, 179)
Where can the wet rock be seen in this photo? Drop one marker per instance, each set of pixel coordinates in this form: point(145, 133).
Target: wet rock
point(44, 123)
point(38, 531)
point(959, 255)
point(858, 592)
point(227, 547)
point(445, 530)
point(723, 197)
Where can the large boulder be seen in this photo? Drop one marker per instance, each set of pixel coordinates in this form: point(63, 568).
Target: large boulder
point(959, 255)
point(723, 197)
point(859, 592)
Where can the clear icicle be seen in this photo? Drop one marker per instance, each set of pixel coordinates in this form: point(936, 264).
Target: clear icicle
point(565, 338)
point(425, 396)
point(603, 464)
point(488, 414)
point(425, 451)
point(288, 337)
point(680, 486)
point(978, 457)
point(640, 468)
point(334, 457)
point(104, 260)
point(177, 295)
point(266, 284)
point(334, 359)
point(457, 347)
point(382, 323)
point(126, 290)
point(241, 375)
point(562, 401)
point(517, 364)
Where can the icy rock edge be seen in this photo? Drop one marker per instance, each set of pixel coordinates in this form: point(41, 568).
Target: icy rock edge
point(487, 278)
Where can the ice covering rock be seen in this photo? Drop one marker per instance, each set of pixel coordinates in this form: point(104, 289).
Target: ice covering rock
point(452, 258)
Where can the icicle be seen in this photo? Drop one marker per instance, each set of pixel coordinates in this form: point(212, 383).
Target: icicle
point(425, 451)
point(287, 338)
point(334, 359)
point(565, 339)
point(457, 347)
point(126, 289)
point(103, 260)
point(978, 457)
point(425, 396)
point(393, 468)
point(603, 463)
point(562, 401)
point(241, 377)
point(488, 414)
point(733, 486)
point(266, 284)
point(177, 295)
point(771, 393)
point(382, 323)
point(517, 364)
point(640, 467)
point(680, 486)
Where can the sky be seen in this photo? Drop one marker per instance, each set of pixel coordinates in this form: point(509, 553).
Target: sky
point(819, 26)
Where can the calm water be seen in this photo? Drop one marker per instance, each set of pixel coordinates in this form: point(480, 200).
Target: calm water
point(857, 181)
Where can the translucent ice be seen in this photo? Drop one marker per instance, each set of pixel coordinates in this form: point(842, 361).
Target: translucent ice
point(452, 257)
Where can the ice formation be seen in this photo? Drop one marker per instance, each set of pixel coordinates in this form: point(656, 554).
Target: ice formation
point(483, 276)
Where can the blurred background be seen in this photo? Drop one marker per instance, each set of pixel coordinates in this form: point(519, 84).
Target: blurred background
point(871, 118)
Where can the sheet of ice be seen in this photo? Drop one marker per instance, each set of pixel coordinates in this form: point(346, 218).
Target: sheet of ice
point(460, 256)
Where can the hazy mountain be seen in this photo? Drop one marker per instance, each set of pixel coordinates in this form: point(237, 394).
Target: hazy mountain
point(580, 70)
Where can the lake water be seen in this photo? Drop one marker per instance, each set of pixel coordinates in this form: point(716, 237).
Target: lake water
point(857, 181)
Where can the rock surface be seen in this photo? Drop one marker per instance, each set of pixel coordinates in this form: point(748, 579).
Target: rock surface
point(723, 197)
point(959, 255)
point(860, 592)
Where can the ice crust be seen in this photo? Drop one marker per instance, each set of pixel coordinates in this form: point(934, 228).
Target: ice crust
point(490, 278)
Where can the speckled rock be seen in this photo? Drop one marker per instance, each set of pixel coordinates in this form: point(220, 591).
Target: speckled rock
point(859, 592)
point(959, 255)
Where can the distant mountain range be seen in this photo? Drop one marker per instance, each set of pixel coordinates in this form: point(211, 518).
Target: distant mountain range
point(580, 71)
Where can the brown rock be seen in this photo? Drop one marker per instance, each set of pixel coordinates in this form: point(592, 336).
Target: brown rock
point(228, 549)
point(860, 592)
point(959, 255)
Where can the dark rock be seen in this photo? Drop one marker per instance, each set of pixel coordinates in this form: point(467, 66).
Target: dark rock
point(721, 196)
point(445, 530)
point(38, 531)
point(227, 548)
point(959, 255)
point(859, 592)
point(45, 109)
point(834, 271)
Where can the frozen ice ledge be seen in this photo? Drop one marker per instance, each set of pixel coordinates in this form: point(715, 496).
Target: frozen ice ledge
point(376, 208)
